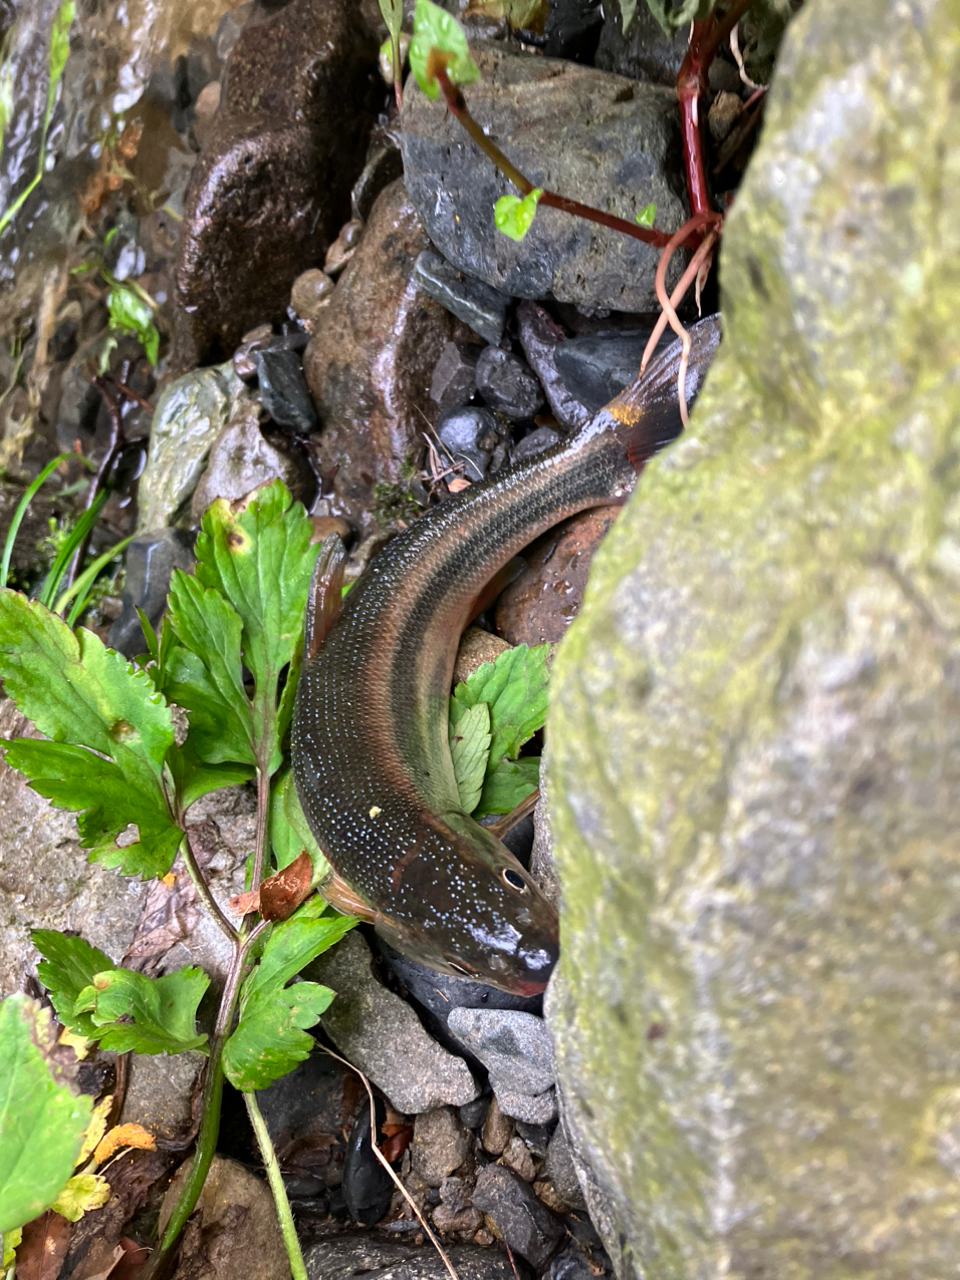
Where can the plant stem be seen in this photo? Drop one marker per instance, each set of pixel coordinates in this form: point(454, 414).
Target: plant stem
point(209, 1111)
point(275, 1178)
point(457, 106)
point(203, 889)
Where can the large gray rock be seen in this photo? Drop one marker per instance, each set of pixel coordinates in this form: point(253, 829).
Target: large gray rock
point(755, 732)
point(588, 135)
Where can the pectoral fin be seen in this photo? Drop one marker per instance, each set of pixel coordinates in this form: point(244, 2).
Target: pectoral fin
point(339, 894)
point(326, 594)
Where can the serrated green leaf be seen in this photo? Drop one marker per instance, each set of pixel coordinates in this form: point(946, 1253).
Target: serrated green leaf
point(217, 733)
point(513, 216)
point(515, 688)
point(508, 785)
point(41, 1121)
point(130, 313)
point(647, 214)
point(131, 1012)
point(76, 690)
point(470, 749)
point(434, 28)
point(194, 779)
point(260, 559)
point(83, 1192)
point(120, 826)
point(269, 1040)
point(68, 967)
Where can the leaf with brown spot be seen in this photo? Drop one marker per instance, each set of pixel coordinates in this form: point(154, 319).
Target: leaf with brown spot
point(281, 894)
point(44, 1247)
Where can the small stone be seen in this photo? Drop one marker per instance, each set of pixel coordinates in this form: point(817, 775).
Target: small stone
point(367, 1186)
point(457, 1193)
point(310, 292)
point(478, 305)
point(469, 436)
point(379, 1033)
point(539, 337)
point(245, 356)
point(526, 1225)
point(440, 1145)
point(454, 377)
point(725, 110)
point(498, 1130)
point(517, 1157)
point(477, 647)
point(158, 1094)
point(536, 1136)
point(150, 561)
point(473, 1114)
point(547, 1192)
point(508, 384)
point(446, 1219)
point(562, 1171)
point(533, 1108)
point(343, 248)
point(515, 1047)
point(283, 391)
point(535, 442)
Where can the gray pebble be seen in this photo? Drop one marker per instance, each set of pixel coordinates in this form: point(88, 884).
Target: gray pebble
point(284, 392)
point(562, 1172)
point(469, 436)
point(151, 559)
point(508, 384)
point(440, 1145)
point(515, 1047)
point(535, 442)
point(454, 377)
point(525, 1223)
point(473, 1114)
point(478, 305)
point(538, 1108)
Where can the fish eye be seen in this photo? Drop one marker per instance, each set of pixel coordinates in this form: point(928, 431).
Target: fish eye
point(514, 879)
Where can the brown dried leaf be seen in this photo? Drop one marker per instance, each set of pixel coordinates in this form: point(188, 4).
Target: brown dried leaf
point(281, 894)
point(44, 1247)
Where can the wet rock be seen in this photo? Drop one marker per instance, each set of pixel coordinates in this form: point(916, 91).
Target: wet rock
point(190, 414)
point(476, 648)
point(514, 1046)
point(245, 356)
point(539, 337)
point(507, 384)
point(537, 441)
point(384, 165)
point(469, 436)
point(343, 248)
point(755, 722)
point(272, 186)
point(350, 1256)
point(478, 305)
point(379, 1033)
point(536, 1136)
point(454, 377)
point(440, 1146)
point(307, 1113)
point(562, 1172)
point(542, 866)
point(311, 292)
point(592, 137)
point(498, 1129)
point(645, 52)
point(234, 1230)
point(370, 362)
point(241, 458)
point(527, 1226)
point(150, 561)
point(545, 597)
point(283, 391)
point(596, 366)
point(47, 882)
point(367, 1187)
point(450, 1220)
point(571, 1265)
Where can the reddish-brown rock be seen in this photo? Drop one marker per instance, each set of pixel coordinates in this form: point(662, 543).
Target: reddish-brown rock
point(272, 186)
point(541, 603)
point(370, 362)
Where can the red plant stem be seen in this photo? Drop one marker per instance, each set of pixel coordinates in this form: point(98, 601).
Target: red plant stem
point(705, 40)
point(457, 107)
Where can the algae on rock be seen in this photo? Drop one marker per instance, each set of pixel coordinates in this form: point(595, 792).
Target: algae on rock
point(755, 727)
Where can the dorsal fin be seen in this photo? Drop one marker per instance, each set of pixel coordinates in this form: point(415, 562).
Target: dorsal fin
point(325, 597)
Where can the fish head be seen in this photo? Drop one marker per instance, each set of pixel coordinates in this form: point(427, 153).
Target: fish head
point(476, 914)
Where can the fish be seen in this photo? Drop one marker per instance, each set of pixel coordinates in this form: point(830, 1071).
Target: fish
point(371, 756)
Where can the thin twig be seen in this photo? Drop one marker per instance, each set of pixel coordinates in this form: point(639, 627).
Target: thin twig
point(386, 1164)
point(676, 296)
point(738, 58)
point(204, 892)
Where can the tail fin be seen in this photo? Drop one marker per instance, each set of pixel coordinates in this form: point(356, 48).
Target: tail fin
point(649, 408)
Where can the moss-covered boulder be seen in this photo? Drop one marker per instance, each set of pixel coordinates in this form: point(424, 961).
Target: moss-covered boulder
point(755, 735)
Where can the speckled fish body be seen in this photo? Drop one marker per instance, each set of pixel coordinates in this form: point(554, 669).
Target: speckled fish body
point(371, 756)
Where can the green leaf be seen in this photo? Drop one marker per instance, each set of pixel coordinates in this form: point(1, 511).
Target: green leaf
point(131, 1012)
point(10, 1241)
point(434, 28)
point(392, 13)
point(672, 14)
point(69, 967)
point(508, 785)
point(628, 11)
point(470, 749)
point(647, 214)
point(217, 732)
point(515, 687)
point(59, 49)
point(271, 1038)
point(297, 823)
point(194, 779)
point(259, 557)
point(43, 1122)
point(513, 216)
point(84, 1191)
point(131, 313)
point(120, 826)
